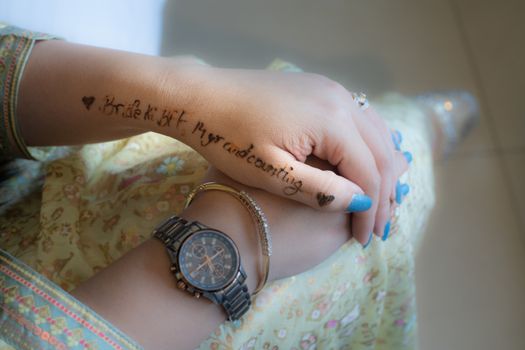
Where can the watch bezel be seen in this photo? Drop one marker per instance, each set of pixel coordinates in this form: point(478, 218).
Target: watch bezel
point(223, 285)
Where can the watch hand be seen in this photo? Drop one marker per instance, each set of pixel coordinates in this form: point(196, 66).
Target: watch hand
point(216, 254)
point(210, 264)
point(204, 263)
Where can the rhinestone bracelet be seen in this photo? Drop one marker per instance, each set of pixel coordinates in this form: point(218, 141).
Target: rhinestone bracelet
point(255, 212)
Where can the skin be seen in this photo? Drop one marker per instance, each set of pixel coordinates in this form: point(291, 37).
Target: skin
point(286, 117)
point(75, 94)
point(118, 292)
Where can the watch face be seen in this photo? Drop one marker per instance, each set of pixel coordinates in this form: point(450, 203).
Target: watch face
point(209, 260)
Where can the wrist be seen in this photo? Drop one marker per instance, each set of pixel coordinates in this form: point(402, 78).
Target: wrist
point(236, 222)
point(301, 238)
point(182, 98)
point(164, 93)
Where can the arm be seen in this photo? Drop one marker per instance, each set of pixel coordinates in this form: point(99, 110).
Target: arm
point(138, 290)
point(77, 94)
point(258, 127)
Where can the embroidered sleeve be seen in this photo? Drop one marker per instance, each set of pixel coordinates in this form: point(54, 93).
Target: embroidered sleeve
point(37, 314)
point(15, 47)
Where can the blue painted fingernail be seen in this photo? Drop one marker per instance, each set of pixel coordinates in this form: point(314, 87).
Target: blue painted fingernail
point(408, 156)
point(399, 193)
point(399, 137)
point(369, 240)
point(395, 140)
point(405, 189)
point(360, 202)
point(386, 232)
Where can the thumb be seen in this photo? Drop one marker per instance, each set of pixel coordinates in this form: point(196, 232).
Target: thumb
point(319, 189)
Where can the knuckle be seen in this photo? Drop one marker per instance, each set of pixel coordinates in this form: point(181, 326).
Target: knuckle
point(385, 162)
point(332, 102)
point(332, 87)
point(373, 182)
point(381, 158)
point(321, 79)
point(384, 201)
point(327, 182)
point(336, 88)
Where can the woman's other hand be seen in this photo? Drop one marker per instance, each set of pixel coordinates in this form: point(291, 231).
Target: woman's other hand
point(259, 127)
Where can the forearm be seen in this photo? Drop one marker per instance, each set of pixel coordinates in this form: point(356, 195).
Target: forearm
point(75, 94)
point(138, 290)
point(138, 293)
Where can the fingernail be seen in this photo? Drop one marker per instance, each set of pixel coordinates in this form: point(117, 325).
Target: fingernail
point(369, 240)
point(408, 156)
point(386, 232)
point(405, 188)
point(360, 202)
point(399, 193)
point(397, 138)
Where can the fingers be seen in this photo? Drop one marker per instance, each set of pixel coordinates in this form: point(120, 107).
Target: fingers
point(403, 159)
point(376, 136)
point(391, 162)
point(401, 164)
point(355, 161)
point(391, 139)
point(319, 189)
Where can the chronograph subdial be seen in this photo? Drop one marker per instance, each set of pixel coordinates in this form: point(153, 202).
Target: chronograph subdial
point(198, 250)
point(218, 271)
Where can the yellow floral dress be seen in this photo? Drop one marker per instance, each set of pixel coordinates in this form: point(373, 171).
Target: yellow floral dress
point(76, 210)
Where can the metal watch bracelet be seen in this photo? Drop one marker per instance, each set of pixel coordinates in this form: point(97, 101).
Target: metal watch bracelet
point(235, 298)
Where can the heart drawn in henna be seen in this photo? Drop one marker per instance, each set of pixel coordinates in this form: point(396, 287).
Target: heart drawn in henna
point(323, 199)
point(88, 101)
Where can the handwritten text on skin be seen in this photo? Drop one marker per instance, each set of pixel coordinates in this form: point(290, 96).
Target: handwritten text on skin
point(164, 118)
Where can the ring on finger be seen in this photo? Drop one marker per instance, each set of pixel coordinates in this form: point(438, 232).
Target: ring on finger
point(361, 100)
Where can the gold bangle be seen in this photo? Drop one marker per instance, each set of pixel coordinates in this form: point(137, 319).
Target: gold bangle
point(255, 212)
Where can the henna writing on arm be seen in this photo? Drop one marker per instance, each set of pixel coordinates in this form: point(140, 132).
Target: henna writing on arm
point(111, 107)
point(282, 173)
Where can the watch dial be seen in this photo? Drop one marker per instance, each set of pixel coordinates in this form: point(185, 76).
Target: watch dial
point(208, 260)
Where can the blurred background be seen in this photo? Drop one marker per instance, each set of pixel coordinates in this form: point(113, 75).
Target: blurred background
point(470, 268)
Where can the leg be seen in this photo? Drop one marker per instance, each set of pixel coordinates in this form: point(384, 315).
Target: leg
point(138, 291)
point(377, 306)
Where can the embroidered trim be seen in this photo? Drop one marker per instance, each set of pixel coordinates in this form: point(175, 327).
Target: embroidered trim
point(22, 289)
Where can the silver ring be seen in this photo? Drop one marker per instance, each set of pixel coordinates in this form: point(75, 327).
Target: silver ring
point(361, 100)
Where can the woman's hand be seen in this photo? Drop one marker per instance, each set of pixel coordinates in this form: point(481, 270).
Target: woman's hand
point(259, 127)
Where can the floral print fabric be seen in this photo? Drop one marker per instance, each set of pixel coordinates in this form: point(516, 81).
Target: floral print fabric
point(76, 210)
point(101, 200)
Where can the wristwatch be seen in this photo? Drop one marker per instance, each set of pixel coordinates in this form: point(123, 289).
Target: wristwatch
point(206, 262)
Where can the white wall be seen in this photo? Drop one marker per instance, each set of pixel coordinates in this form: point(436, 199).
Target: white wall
point(133, 25)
